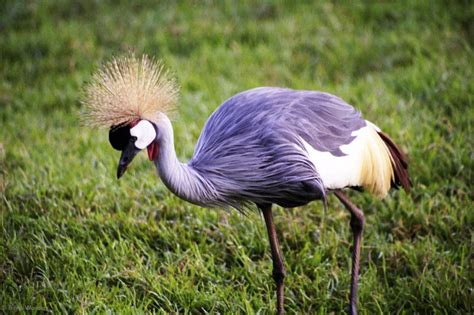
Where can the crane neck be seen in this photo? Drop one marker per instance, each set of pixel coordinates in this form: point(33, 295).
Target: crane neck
point(180, 178)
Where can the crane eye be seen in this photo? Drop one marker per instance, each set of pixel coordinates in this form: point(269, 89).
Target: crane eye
point(119, 136)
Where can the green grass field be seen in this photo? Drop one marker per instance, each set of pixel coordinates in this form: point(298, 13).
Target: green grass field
point(76, 240)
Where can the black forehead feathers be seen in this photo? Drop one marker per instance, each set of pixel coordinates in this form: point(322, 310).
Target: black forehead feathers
point(119, 136)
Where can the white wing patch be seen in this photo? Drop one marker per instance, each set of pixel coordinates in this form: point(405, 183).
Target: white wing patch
point(367, 163)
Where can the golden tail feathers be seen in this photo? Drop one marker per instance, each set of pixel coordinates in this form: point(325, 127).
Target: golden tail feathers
point(384, 165)
point(399, 164)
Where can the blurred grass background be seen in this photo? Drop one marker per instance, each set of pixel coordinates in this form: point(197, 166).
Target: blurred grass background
point(74, 239)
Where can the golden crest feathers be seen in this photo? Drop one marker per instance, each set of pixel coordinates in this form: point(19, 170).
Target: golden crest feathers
point(128, 88)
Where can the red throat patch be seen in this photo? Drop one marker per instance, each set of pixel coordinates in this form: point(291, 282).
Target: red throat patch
point(153, 150)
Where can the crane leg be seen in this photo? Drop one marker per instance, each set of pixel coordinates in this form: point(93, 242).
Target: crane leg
point(279, 271)
point(357, 226)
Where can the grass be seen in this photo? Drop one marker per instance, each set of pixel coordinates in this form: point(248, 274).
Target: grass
point(76, 240)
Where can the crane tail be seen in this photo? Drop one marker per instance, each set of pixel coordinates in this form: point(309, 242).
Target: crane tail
point(371, 161)
point(399, 163)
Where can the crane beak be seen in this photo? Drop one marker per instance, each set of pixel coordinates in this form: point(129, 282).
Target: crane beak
point(127, 156)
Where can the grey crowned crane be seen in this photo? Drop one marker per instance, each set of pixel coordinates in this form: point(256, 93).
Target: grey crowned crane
point(260, 147)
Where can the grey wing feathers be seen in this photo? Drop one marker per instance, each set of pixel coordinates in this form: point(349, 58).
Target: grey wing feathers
point(251, 145)
point(324, 121)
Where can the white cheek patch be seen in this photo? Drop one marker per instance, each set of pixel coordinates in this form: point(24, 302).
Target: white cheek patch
point(145, 133)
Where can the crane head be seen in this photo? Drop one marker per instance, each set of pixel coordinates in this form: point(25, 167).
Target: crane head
point(129, 93)
point(131, 139)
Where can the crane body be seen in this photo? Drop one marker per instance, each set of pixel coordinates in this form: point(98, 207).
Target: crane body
point(261, 147)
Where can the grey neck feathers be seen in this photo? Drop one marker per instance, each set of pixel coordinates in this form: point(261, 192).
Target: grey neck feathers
point(181, 179)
